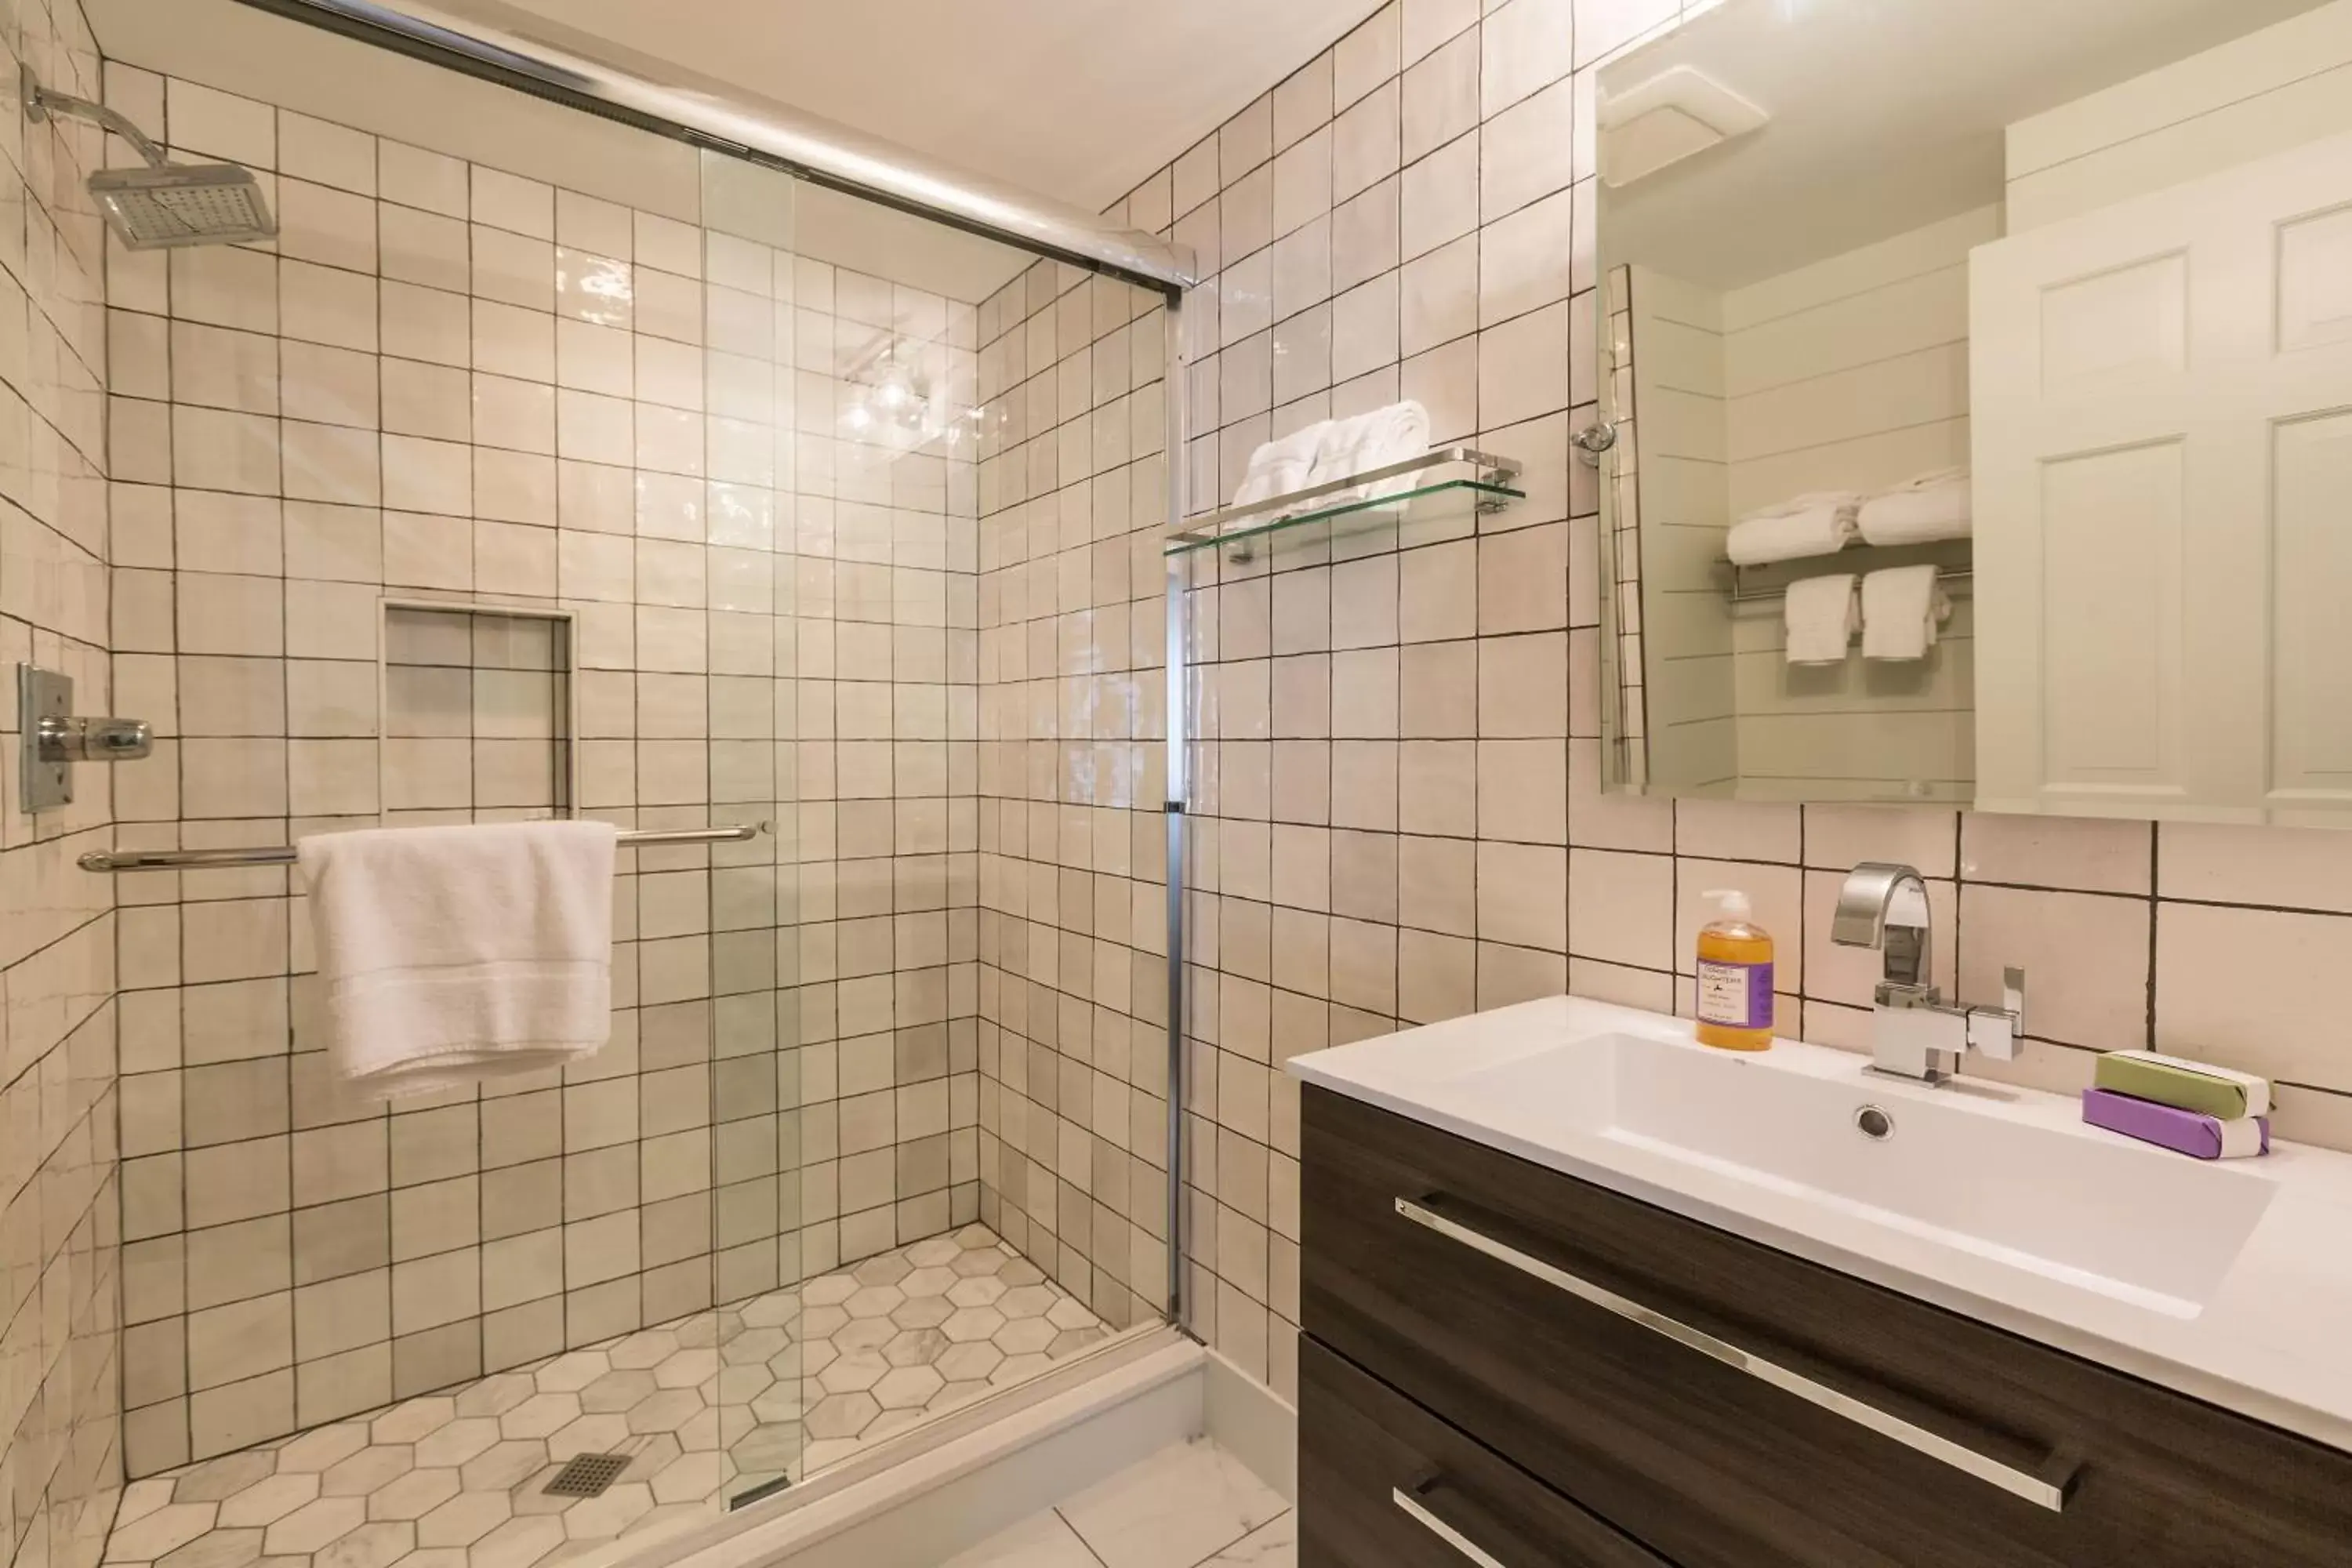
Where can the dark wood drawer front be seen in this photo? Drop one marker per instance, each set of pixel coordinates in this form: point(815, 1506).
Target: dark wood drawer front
point(1384, 1484)
point(1715, 1465)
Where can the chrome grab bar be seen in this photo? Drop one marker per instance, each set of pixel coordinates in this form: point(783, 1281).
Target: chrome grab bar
point(283, 854)
point(2040, 1490)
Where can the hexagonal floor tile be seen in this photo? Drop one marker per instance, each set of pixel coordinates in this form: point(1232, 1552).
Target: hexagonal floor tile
point(414, 1495)
point(937, 1252)
point(589, 1435)
point(1019, 1369)
point(503, 1465)
point(852, 1373)
point(464, 1519)
point(829, 1289)
point(819, 1324)
point(908, 1388)
point(977, 1360)
point(323, 1448)
point(816, 1355)
point(753, 1345)
point(570, 1373)
point(540, 1416)
point(980, 1291)
point(665, 1411)
point(616, 1391)
point(773, 1310)
point(1028, 1300)
point(497, 1396)
point(973, 1324)
point(842, 1416)
point(368, 1470)
point(406, 1423)
point(924, 1312)
point(1018, 1271)
point(601, 1517)
point(216, 1548)
point(643, 1351)
point(1071, 1313)
point(874, 1301)
point(883, 1269)
point(687, 1369)
point(916, 1347)
point(162, 1532)
point(933, 1281)
point(1026, 1336)
point(866, 1334)
point(224, 1477)
point(459, 1441)
point(267, 1502)
point(1070, 1342)
point(974, 1265)
point(310, 1527)
point(518, 1543)
point(689, 1478)
point(377, 1546)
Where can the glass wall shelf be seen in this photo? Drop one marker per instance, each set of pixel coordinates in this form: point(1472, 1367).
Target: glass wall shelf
point(1489, 481)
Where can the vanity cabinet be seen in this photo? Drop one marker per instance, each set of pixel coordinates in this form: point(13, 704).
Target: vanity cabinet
point(1505, 1366)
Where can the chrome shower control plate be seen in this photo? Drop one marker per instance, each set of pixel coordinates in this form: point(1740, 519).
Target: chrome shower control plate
point(46, 783)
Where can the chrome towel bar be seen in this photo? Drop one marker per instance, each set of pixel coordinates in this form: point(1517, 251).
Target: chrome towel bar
point(283, 854)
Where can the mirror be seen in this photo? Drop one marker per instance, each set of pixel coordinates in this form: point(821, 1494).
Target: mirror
point(1982, 376)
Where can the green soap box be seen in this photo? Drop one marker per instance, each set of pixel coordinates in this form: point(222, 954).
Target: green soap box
point(2189, 1086)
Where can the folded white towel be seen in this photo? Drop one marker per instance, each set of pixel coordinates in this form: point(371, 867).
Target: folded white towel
point(1900, 608)
point(1373, 440)
point(1931, 507)
point(1821, 618)
point(1818, 524)
point(1278, 467)
point(450, 954)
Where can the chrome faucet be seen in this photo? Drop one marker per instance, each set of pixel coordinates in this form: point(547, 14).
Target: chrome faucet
point(1914, 1034)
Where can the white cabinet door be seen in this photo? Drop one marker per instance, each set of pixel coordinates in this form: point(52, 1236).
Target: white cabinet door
point(2163, 464)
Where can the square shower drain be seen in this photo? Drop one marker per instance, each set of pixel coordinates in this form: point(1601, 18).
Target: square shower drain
point(588, 1475)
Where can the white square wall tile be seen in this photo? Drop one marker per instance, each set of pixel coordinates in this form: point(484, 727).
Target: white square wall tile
point(2233, 987)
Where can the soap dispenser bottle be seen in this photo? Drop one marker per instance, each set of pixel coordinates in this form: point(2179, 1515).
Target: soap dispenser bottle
point(1735, 977)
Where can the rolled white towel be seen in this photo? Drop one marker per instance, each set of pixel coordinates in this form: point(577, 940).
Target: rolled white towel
point(1278, 467)
point(1900, 608)
point(1930, 508)
point(1821, 618)
point(1372, 440)
point(1819, 524)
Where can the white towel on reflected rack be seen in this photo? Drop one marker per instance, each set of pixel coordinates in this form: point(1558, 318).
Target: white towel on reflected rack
point(1822, 524)
point(1900, 608)
point(1278, 467)
point(1821, 618)
point(451, 954)
point(1929, 508)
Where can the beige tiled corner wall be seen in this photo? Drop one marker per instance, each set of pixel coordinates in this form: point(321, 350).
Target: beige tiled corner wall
point(1074, 989)
point(60, 1407)
point(446, 382)
point(1397, 814)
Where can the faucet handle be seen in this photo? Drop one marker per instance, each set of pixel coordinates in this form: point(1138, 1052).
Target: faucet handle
point(2000, 1032)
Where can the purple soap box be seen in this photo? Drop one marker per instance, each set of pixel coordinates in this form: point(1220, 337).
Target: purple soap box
point(2189, 1131)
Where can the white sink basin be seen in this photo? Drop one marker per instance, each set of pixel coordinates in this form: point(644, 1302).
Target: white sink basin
point(2077, 1205)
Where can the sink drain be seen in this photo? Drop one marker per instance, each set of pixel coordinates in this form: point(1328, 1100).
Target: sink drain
point(1874, 1123)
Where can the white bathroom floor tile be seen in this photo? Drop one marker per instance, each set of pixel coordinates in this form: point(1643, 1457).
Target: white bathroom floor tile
point(1178, 1509)
point(788, 1382)
point(1043, 1541)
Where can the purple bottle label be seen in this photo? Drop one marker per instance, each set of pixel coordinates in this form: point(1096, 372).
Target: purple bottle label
point(1735, 996)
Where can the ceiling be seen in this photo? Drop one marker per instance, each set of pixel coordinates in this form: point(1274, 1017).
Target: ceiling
point(1885, 116)
point(1075, 99)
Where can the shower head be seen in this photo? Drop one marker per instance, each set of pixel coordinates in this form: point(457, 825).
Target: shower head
point(183, 203)
point(165, 204)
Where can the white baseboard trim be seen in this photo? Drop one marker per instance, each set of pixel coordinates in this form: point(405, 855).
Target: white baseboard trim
point(1253, 1423)
point(924, 1507)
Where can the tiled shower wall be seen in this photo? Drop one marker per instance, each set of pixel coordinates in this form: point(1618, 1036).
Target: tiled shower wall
point(60, 1409)
point(1074, 990)
point(446, 381)
point(1397, 809)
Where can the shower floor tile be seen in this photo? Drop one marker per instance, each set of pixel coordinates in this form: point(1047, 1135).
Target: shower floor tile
point(707, 1407)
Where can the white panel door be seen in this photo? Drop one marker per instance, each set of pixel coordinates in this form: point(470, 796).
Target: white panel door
point(2163, 455)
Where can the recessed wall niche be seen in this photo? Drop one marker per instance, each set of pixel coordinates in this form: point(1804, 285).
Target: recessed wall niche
point(477, 713)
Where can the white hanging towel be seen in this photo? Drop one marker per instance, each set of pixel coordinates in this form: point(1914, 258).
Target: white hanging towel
point(1821, 618)
point(1278, 467)
point(1822, 524)
point(1930, 508)
point(447, 955)
point(1900, 608)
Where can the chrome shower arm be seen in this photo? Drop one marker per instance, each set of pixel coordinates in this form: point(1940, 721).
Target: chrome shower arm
point(40, 103)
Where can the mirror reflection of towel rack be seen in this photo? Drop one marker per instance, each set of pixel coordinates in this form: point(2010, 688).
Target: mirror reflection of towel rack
point(284, 855)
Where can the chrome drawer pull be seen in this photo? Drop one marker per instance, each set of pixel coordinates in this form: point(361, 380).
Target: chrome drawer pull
point(2036, 1490)
point(1440, 1529)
